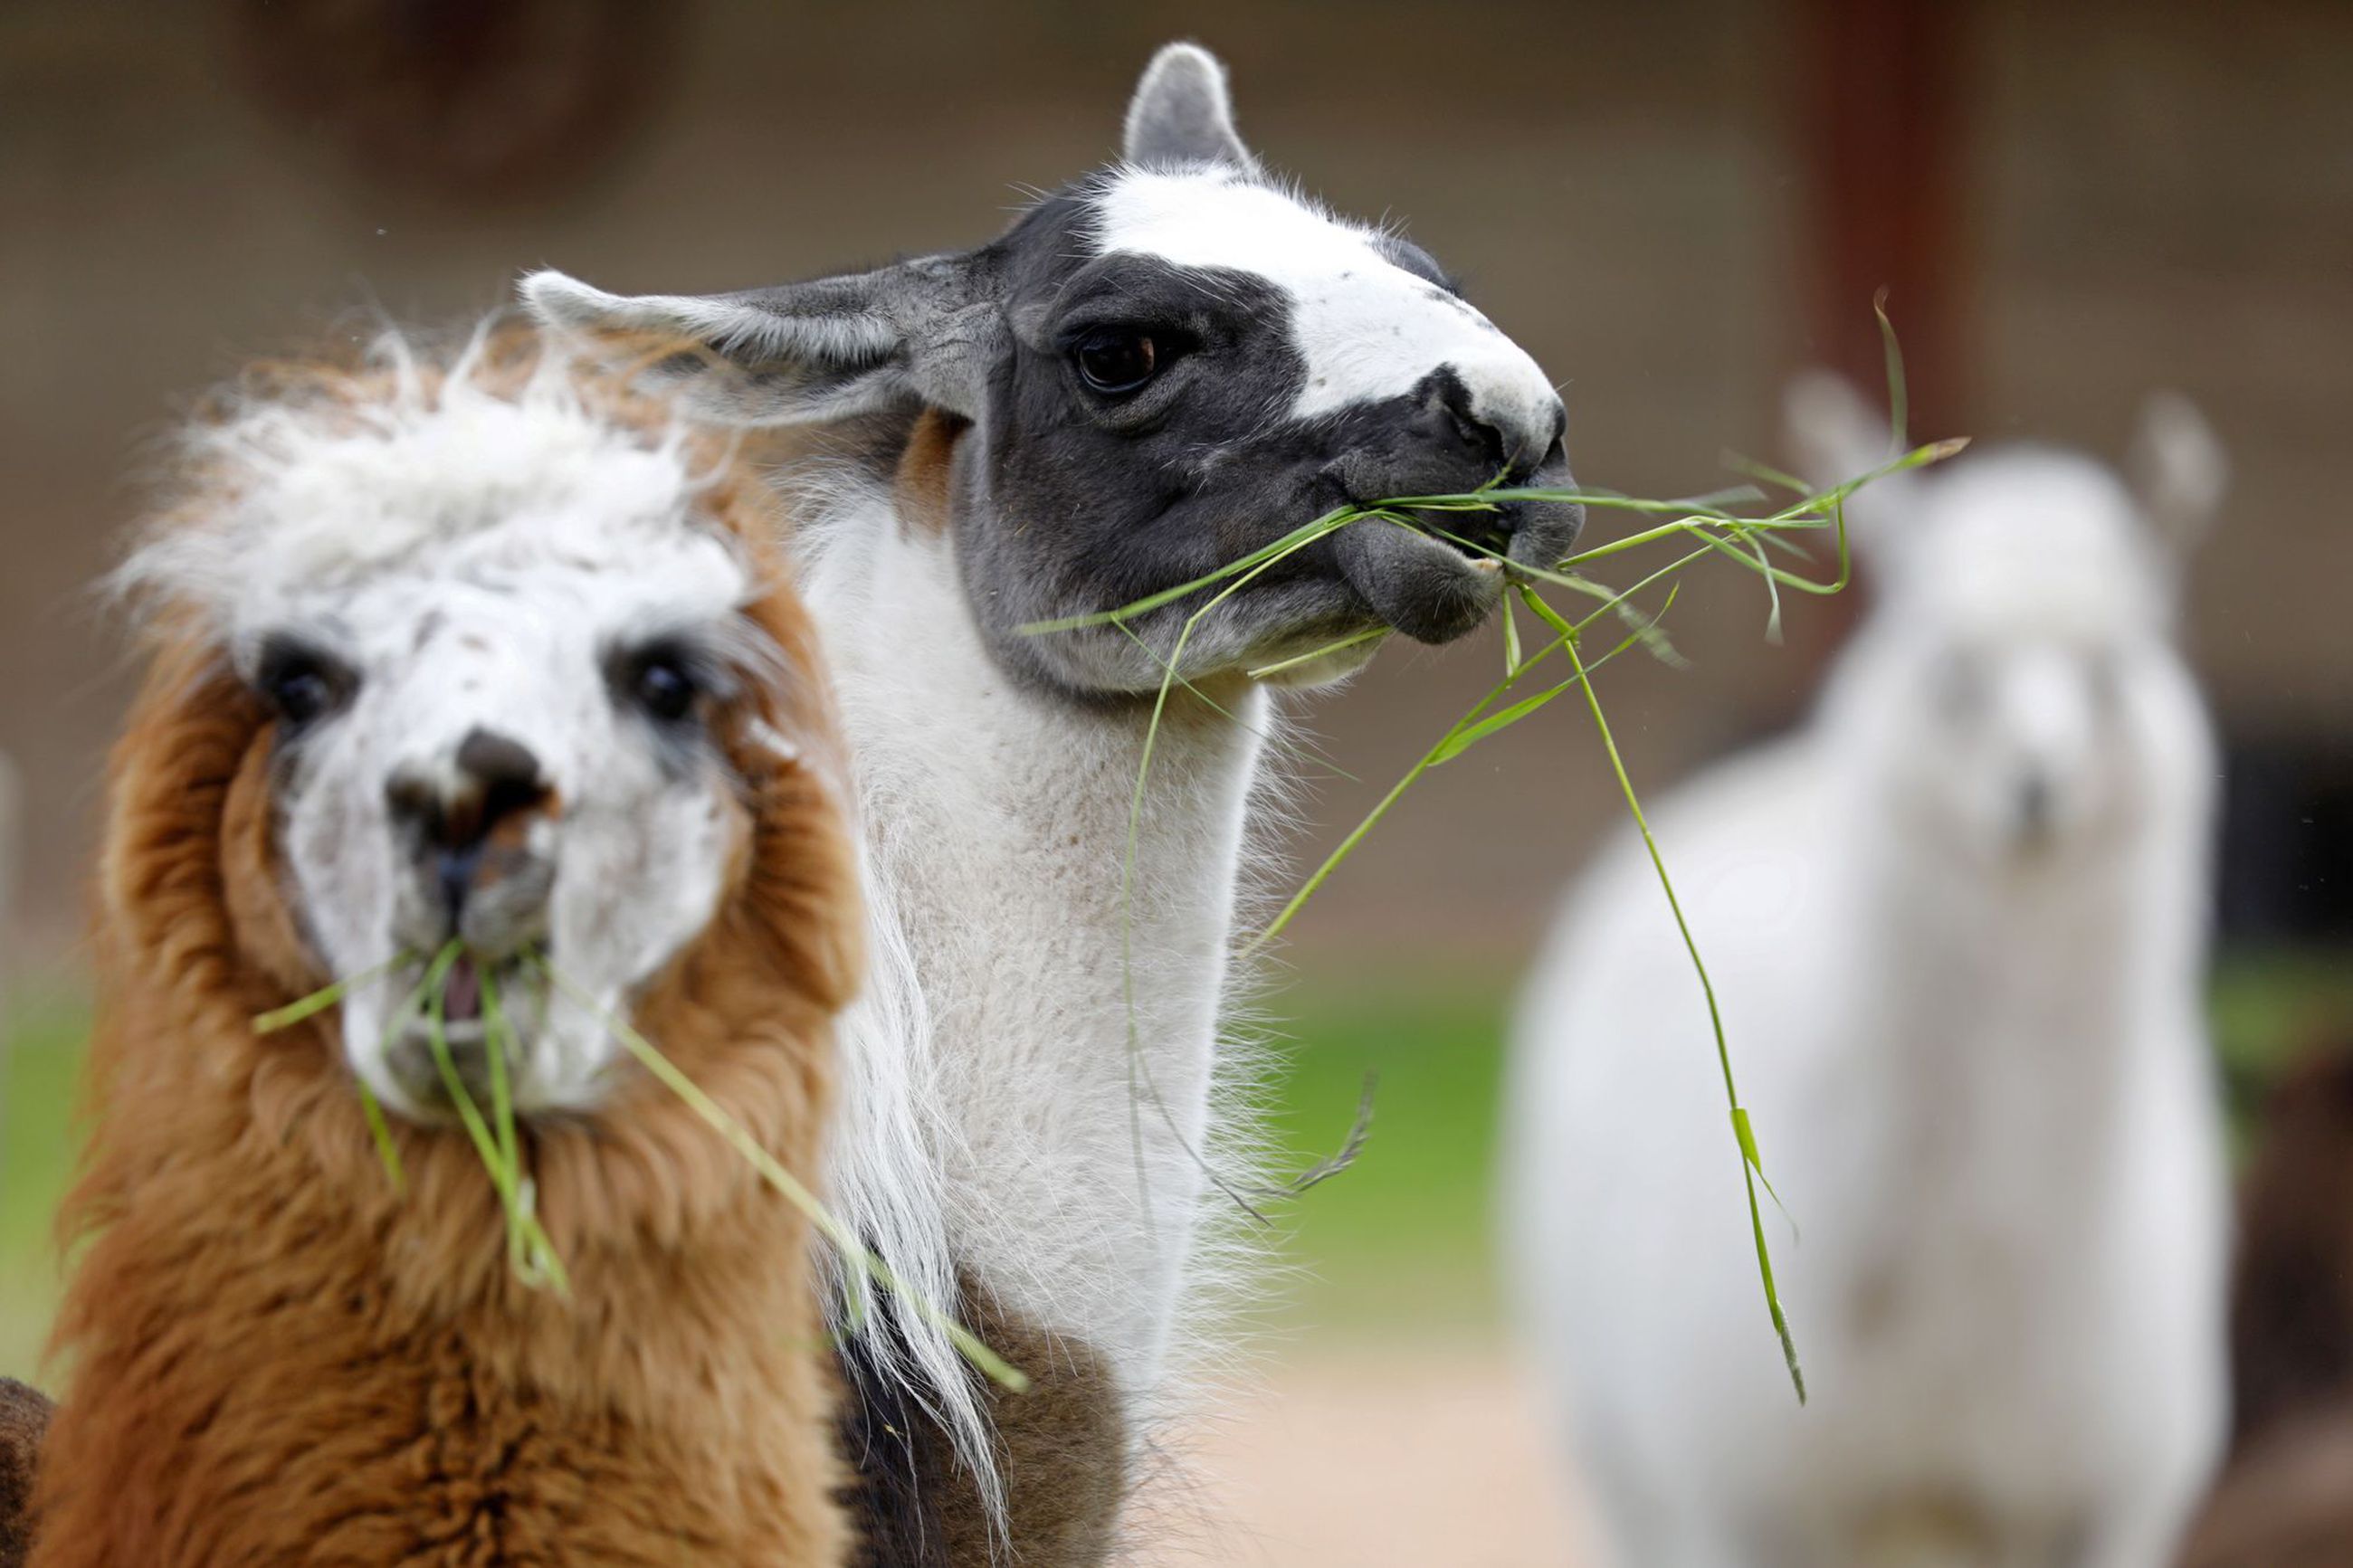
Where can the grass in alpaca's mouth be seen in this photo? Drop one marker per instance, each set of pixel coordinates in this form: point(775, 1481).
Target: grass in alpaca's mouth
point(1471, 524)
point(456, 990)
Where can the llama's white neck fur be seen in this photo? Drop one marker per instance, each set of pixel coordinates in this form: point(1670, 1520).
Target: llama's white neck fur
point(2015, 1013)
point(1030, 1073)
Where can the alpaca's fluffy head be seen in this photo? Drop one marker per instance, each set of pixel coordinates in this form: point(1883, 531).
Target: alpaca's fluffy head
point(2017, 677)
point(516, 642)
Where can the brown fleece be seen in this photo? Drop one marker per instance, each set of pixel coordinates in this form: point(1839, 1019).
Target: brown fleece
point(920, 485)
point(277, 1359)
point(1060, 1450)
point(23, 1416)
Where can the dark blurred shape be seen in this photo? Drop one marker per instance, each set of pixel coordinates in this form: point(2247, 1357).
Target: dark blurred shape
point(461, 100)
point(23, 1416)
point(2287, 842)
point(2285, 1499)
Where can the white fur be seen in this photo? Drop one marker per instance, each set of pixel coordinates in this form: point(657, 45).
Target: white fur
point(1970, 1034)
point(475, 561)
point(1368, 328)
point(997, 1115)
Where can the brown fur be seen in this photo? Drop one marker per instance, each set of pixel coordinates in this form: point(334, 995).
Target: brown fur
point(920, 482)
point(23, 1416)
point(277, 1359)
point(1060, 1448)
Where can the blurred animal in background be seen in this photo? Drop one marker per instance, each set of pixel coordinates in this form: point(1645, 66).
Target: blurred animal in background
point(476, 649)
point(1956, 923)
point(2285, 1498)
point(1171, 364)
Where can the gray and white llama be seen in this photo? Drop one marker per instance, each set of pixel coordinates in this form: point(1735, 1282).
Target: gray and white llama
point(1957, 926)
point(1159, 368)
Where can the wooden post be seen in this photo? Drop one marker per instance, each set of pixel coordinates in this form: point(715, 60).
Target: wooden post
point(1882, 150)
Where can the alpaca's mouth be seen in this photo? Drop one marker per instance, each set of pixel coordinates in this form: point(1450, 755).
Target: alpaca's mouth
point(440, 1053)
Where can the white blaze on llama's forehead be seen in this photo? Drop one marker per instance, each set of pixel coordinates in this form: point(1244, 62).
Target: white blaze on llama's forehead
point(1368, 328)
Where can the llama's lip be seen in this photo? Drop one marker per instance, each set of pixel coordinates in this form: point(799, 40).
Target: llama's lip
point(461, 1034)
point(1478, 538)
point(1428, 588)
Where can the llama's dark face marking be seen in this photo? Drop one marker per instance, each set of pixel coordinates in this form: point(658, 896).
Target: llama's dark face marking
point(1165, 366)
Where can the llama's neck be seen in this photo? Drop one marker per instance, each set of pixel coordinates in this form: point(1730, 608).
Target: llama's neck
point(278, 1358)
point(1040, 1029)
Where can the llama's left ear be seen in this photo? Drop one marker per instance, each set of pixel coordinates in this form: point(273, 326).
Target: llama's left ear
point(1182, 112)
point(921, 330)
point(1834, 436)
point(2176, 470)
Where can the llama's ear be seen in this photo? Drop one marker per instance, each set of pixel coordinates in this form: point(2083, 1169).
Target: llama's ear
point(1835, 436)
point(800, 353)
point(1182, 113)
point(2176, 470)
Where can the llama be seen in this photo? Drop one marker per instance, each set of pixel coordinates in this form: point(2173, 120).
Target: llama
point(1956, 927)
point(482, 648)
point(1157, 369)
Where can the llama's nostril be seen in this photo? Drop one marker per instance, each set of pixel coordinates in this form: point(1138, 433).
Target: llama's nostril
point(457, 809)
point(466, 821)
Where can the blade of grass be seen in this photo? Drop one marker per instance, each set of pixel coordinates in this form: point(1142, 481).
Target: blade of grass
point(770, 1170)
point(534, 1265)
point(524, 1236)
point(388, 1151)
point(1744, 1137)
point(324, 997)
point(1369, 633)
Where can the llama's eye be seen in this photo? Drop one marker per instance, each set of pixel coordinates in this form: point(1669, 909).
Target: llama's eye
point(1113, 360)
point(665, 687)
point(300, 684)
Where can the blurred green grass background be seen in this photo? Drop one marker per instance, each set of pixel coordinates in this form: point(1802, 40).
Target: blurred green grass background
point(1394, 1246)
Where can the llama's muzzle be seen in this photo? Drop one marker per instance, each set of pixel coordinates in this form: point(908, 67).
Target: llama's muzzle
point(469, 825)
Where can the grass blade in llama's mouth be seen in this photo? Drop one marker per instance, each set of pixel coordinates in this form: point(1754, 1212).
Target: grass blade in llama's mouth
point(456, 986)
point(1705, 524)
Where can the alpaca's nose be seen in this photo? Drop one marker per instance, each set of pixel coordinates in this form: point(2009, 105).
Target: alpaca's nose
point(466, 821)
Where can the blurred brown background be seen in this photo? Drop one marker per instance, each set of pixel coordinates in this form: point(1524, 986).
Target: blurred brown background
point(1671, 205)
point(2122, 197)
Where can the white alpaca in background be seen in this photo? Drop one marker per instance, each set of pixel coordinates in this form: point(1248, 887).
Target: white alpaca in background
point(1957, 926)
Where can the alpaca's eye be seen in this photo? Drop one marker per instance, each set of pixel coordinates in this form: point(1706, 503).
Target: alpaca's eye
point(301, 685)
point(665, 687)
point(1113, 360)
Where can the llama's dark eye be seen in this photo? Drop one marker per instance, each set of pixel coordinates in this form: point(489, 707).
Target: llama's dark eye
point(664, 686)
point(1114, 360)
point(301, 685)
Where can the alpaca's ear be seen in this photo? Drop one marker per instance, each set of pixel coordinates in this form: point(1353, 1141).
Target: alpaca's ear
point(2176, 470)
point(799, 354)
point(1835, 436)
point(1182, 113)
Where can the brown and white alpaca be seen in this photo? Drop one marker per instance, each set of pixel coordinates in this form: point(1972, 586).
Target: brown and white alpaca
point(480, 646)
